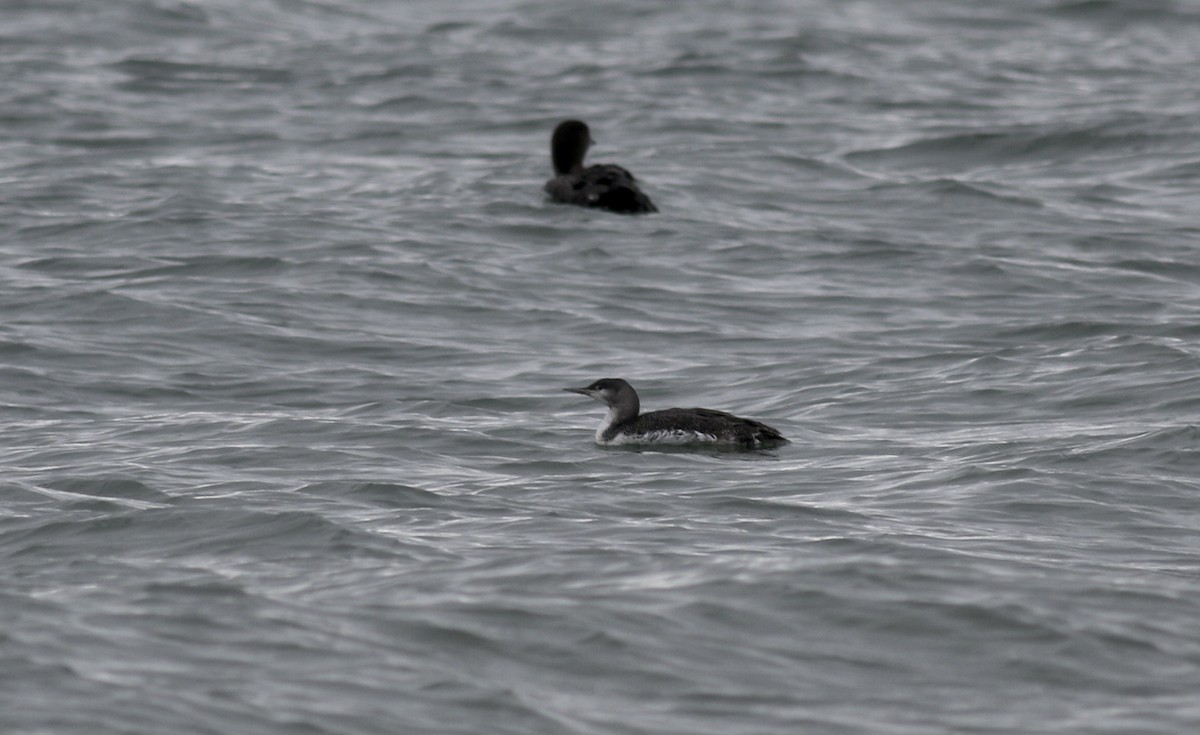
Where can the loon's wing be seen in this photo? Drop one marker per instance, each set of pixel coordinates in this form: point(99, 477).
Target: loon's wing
point(606, 186)
point(706, 422)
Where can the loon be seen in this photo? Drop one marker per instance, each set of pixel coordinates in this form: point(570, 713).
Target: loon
point(605, 185)
point(675, 426)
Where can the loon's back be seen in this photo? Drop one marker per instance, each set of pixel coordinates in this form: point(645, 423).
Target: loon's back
point(606, 186)
point(696, 426)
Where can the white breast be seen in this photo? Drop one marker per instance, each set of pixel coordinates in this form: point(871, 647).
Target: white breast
point(665, 436)
point(609, 418)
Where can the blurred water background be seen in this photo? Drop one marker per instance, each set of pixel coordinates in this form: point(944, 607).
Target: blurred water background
point(285, 318)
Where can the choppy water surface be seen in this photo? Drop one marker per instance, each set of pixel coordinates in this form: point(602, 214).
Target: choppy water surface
point(284, 323)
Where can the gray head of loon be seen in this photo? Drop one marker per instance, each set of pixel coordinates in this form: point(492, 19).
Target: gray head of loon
point(612, 392)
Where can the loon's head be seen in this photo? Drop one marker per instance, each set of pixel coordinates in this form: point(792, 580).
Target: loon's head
point(612, 392)
point(619, 396)
point(569, 145)
point(606, 390)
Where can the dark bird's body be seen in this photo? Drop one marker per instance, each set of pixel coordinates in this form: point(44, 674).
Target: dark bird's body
point(603, 186)
point(624, 424)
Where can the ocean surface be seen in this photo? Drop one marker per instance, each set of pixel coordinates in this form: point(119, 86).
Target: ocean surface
point(285, 321)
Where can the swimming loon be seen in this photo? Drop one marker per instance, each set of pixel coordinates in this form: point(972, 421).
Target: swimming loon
point(624, 425)
point(604, 185)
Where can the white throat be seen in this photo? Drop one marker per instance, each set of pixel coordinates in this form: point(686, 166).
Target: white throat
point(609, 419)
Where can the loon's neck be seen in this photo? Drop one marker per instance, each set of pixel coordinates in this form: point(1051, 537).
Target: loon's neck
point(610, 420)
point(616, 416)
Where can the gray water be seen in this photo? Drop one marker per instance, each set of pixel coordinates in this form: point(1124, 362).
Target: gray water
point(285, 319)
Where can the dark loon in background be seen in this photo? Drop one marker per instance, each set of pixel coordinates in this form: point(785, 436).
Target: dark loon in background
point(624, 425)
point(604, 185)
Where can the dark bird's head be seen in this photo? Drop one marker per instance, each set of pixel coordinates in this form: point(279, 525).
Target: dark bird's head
point(569, 145)
point(611, 392)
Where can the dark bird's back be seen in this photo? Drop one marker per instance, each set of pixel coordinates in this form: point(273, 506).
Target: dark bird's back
point(606, 186)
